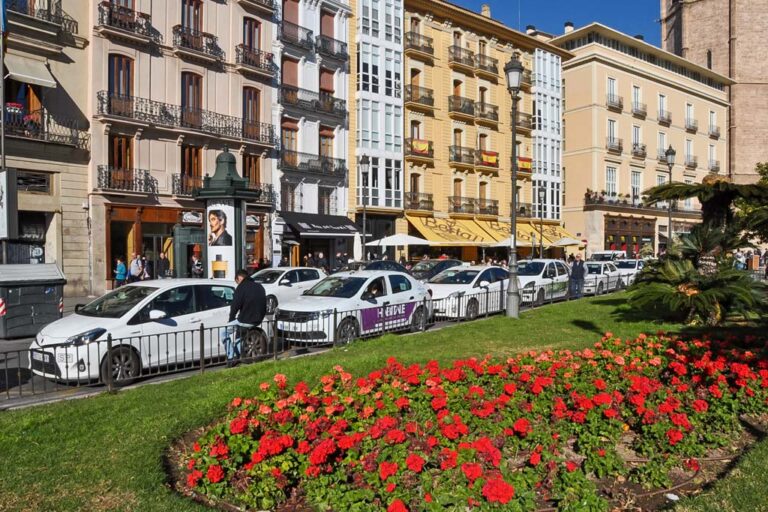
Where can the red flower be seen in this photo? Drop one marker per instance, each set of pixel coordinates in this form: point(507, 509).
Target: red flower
point(674, 436)
point(414, 462)
point(610, 413)
point(397, 506)
point(448, 459)
point(322, 451)
point(496, 490)
point(599, 384)
point(238, 425)
point(391, 487)
point(395, 436)
point(571, 466)
point(535, 459)
point(387, 469)
point(472, 471)
point(402, 402)
point(193, 478)
point(700, 405)
point(439, 403)
point(522, 426)
point(692, 464)
point(215, 474)
point(428, 498)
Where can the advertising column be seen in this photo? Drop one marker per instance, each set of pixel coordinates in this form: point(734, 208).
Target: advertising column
point(220, 235)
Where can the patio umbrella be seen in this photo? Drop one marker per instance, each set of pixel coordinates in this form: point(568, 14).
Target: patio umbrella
point(567, 242)
point(397, 241)
point(357, 247)
point(507, 242)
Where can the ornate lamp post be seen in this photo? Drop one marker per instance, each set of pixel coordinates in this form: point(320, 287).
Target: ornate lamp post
point(365, 163)
point(670, 154)
point(514, 72)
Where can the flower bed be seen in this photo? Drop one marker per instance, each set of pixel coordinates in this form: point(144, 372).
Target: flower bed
point(540, 430)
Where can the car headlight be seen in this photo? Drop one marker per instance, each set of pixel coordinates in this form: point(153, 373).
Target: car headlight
point(326, 313)
point(454, 295)
point(529, 286)
point(85, 337)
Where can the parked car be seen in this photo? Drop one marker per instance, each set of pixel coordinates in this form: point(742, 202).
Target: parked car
point(347, 305)
point(389, 265)
point(542, 279)
point(153, 324)
point(607, 255)
point(629, 270)
point(602, 277)
point(283, 284)
point(468, 291)
point(425, 270)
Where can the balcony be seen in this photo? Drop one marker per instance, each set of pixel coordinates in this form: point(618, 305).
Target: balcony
point(332, 48)
point(691, 162)
point(184, 185)
point(313, 102)
point(627, 203)
point(486, 113)
point(488, 207)
point(524, 167)
point(255, 61)
point(195, 44)
point(614, 145)
point(661, 156)
point(265, 6)
point(313, 164)
point(524, 121)
point(419, 97)
point(639, 109)
point(419, 201)
point(485, 159)
point(614, 102)
point(461, 157)
point(417, 45)
point(639, 150)
point(527, 79)
point(524, 210)
point(691, 125)
point(714, 131)
point(122, 22)
point(664, 117)
point(461, 107)
point(142, 111)
point(297, 35)
point(461, 58)
point(41, 126)
point(714, 166)
point(466, 205)
point(50, 12)
point(485, 65)
point(419, 149)
point(125, 180)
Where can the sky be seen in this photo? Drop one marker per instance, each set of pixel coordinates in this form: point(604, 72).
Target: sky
point(629, 16)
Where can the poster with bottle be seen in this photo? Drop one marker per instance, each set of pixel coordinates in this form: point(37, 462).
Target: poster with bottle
point(220, 235)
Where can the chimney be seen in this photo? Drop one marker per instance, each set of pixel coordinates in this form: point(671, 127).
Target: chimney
point(640, 37)
point(485, 10)
point(530, 30)
point(568, 27)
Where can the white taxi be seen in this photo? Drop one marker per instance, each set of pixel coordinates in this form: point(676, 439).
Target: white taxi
point(542, 279)
point(629, 269)
point(467, 292)
point(283, 284)
point(601, 277)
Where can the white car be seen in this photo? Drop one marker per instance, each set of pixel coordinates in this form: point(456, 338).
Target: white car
point(283, 284)
point(542, 279)
point(602, 277)
point(347, 305)
point(607, 255)
point(153, 325)
point(629, 269)
point(467, 292)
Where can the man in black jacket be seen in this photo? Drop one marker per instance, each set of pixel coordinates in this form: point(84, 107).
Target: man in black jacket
point(248, 308)
point(578, 273)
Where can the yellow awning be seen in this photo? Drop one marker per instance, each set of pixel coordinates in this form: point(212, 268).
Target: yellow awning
point(501, 231)
point(451, 232)
point(556, 233)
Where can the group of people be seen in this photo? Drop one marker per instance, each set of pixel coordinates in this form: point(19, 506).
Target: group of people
point(741, 259)
point(141, 268)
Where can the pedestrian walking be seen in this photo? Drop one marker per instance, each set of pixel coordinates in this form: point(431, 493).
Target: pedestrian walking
point(135, 268)
point(248, 309)
point(196, 267)
point(578, 273)
point(163, 267)
point(321, 262)
point(121, 273)
point(147, 269)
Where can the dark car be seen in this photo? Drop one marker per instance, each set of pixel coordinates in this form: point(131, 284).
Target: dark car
point(374, 265)
point(427, 269)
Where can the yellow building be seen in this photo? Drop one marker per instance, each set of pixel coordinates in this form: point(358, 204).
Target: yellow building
point(626, 103)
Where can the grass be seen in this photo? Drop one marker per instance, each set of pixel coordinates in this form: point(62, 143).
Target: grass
point(106, 453)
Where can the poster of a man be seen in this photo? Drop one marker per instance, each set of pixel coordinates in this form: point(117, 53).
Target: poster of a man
point(217, 233)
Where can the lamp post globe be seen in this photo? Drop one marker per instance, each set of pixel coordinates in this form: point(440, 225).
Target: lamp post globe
point(513, 71)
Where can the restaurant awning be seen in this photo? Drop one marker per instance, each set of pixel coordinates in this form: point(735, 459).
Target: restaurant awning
point(29, 71)
point(451, 232)
point(553, 234)
point(313, 225)
point(501, 231)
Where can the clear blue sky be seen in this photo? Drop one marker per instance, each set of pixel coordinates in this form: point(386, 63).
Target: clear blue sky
point(629, 16)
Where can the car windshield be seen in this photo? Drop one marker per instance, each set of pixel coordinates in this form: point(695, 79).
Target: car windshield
point(594, 268)
point(423, 268)
point(342, 287)
point(267, 276)
point(626, 264)
point(455, 276)
point(117, 302)
point(530, 268)
point(602, 256)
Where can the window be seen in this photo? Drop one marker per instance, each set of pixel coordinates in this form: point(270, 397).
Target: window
point(636, 138)
point(416, 25)
point(291, 276)
point(192, 14)
point(191, 100)
point(120, 79)
point(392, 75)
point(209, 297)
point(287, 198)
point(482, 141)
point(610, 181)
point(399, 284)
point(709, 59)
point(482, 48)
point(252, 168)
point(662, 143)
point(377, 288)
point(712, 153)
point(662, 104)
point(308, 274)
point(457, 187)
point(635, 186)
point(325, 200)
point(688, 203)
point(712, 119)
point(414, 180)
point(191, 161)
point(251, 113)
point(688, 150)
point(120, 151)
point(174, 303)
point(251, 34)
point(612, 88)
point(689, 115)
point(457, 39)
point(612, 130)
point(326, 23)
point(326, 142)
point(637, 96)
point(483, 190)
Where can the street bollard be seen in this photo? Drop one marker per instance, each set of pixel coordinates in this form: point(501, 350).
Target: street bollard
point(202, 348)
point(110, 385)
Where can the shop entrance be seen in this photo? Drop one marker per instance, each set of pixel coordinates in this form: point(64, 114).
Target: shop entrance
point(157, 238)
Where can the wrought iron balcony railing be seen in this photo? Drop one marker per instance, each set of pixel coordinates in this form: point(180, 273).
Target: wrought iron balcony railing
point(459, 55)
point(461, 155)
point(626, 201)
point(40, 126)
point(268, 5)
point(525, 209)
point(614, 144)
point(614, 101)
point(691, 125)
point(639, 150)
point(714, 165)
point(332, 47)
point(487, 207)
point(459, 105)
point(664, 117)
point(313, 101)
point(419, 201)
point(420, 43)
point(49, 11)
point(184, 185)
point(524, 121)
point(178, 116)
point(485, 158)
point(125, 180)
point(123, 18)
point(256, 59)
point(420, 95)
point(487, 64)
point(661, 155)
point(714, 131)
point(458, 204)
point(639, 109)
point(486, 111)
point(419, 148)
point(691, 161)
point(297, 35)
point(527, 78)
point(206, 44)
point(315, 164)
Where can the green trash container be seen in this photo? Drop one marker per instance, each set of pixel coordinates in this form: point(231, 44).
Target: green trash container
point(31, 296)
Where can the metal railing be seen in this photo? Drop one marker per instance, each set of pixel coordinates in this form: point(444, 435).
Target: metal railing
point(297, 35)
point(419, 148)
point(639, 109)
point(461, 155)
point(420, 95)
point(256, 59)
point(124, 18)
point(714, 165)
point(614, 144)
point(664, 117)
point(524, 120)
point(184, 185)
point(457, 204)
point(313, 101)
point(419, 201)
point(49, 11)
point(188, 38)
point(420, 43)
point(125, 180)
point(614, 101)
point(268, 4)
point(527, 78)
point(639, 150)
point(486, 111)
point(459, 55)
point(487, 64)
point(41, 126)
point(626, 201)
point(460, 105)
point(661, 155)
point(485, 158)
point(331, 47)
point(691, 125)
point(178, 116)
point(525, 210)
point(691, 161)
point(487, 207)
point(714, 131)
point(311, 163)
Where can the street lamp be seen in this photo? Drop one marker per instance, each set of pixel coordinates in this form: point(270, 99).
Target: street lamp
point(514, 72)
point(670, 154)
point(365, 162)
point(542, 197)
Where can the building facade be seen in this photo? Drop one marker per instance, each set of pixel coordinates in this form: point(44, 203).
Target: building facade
point(46, 135)
point(626, 103)
point(172, 84)
point(314, 103)
point(458, 131)
point(727, 37)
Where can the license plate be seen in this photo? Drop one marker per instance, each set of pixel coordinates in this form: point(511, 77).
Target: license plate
point(40, 356)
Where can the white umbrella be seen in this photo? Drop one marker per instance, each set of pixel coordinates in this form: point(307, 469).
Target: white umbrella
point(397, 241)
point(567, 242)
point(357, 248)
point(507, 242)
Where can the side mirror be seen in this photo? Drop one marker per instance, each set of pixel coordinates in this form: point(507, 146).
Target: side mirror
point(285, 282)
point(484, 284)
point(156, 314)
point(367, 296)
point(78, 307)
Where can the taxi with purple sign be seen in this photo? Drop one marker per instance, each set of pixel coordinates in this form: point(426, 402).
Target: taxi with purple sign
point(348, 305)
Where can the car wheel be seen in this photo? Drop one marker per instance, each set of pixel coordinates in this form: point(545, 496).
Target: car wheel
point(418, 320)
point(539, 298)
point(255, 344)
point(599, 289)
point(271, 304)
point(126, 367)
point(347, 331)
point(473, 309)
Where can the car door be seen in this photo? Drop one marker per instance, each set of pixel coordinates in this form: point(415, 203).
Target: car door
point(403, 302)
point(483, 293)
point(561, 282)
point(613, 276)
point(287, 291)
point(308, 277)
point(549, 276)
point(212, 303)
point(372, 310)
point(499, 286)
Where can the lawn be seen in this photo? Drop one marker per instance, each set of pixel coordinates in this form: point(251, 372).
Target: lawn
point(106, 453)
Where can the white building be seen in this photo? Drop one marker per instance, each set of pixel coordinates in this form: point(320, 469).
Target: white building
point(547, 134)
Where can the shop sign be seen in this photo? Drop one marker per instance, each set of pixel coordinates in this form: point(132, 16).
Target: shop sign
point(192, 217)
point(253, 221)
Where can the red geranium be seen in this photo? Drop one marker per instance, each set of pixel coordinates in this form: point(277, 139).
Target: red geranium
point(387, 469)
point(397, 506)
point(472, 471)
point(215, 473)
point(522, 426)
point(496, 490)
point(415, 462)
point(674, 436)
